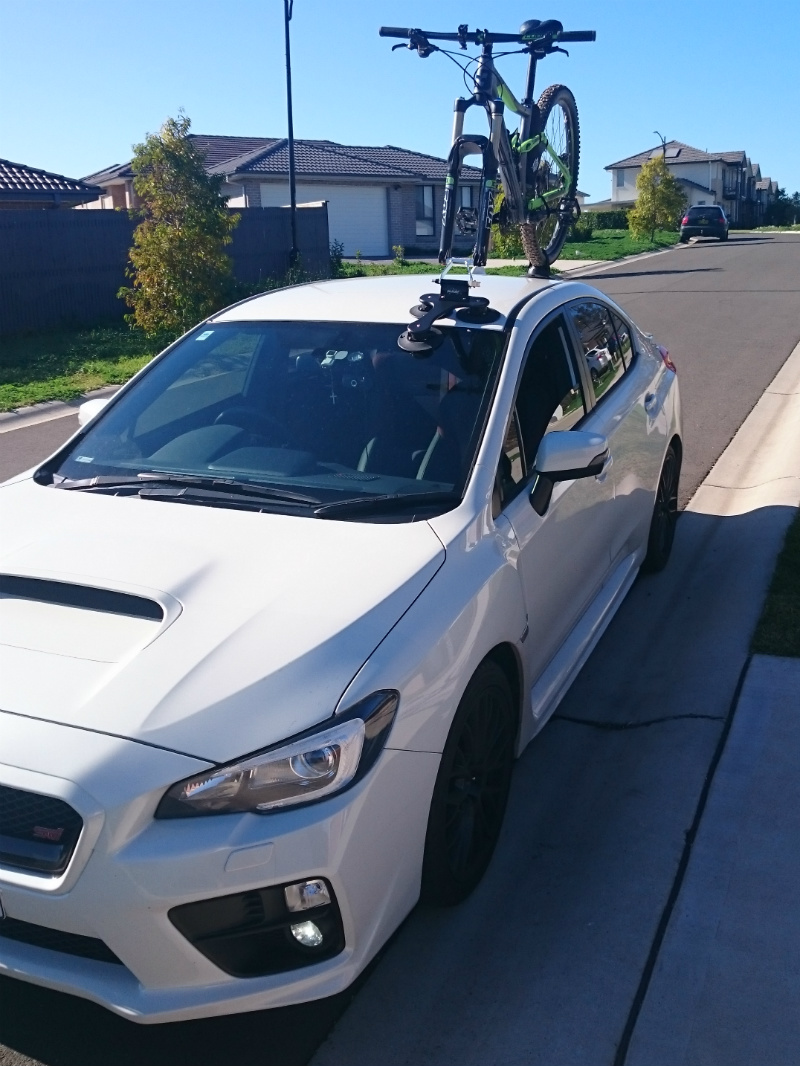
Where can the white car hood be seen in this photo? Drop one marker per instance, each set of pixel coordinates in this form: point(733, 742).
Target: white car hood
point(267, 618)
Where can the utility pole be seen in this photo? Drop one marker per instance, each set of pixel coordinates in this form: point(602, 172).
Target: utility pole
point(287, 17)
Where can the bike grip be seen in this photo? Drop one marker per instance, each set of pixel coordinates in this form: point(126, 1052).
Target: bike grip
point(394, 31)
point(577, 35)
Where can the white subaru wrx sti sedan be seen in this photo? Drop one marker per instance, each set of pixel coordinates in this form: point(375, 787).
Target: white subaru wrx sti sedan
point(276, 621)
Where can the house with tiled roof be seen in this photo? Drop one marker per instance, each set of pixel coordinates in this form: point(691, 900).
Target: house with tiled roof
point(729, 179)
point(23, 187)
point(377, 197)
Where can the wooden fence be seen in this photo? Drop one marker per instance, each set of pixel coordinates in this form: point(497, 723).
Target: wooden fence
point(63, 268)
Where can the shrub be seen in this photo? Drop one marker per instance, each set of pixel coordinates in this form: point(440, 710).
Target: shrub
point(337, 257)
point(616, 219)
point(178, 264)
point(581, 229)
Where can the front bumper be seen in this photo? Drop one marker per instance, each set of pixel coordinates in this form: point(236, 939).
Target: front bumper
point(128, 871)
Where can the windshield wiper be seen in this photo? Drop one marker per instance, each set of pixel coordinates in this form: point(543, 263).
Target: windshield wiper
point(221, 485)
point(389, 502)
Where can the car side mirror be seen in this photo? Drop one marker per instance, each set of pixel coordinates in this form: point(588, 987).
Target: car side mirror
point(565, 455)
point(88, 410)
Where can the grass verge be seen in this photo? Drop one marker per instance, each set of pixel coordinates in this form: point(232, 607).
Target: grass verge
point(617, 243)
point(63, 364)
point(778, 629)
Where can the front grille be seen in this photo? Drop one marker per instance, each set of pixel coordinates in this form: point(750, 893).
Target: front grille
point(87, 947)
point(37, 833)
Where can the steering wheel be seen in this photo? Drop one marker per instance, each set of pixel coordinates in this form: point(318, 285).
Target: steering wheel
point(251, 420)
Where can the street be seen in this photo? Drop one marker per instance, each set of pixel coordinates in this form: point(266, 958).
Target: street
point(544, 963)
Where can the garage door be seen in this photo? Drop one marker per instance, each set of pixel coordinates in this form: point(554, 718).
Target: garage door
point(356, 213)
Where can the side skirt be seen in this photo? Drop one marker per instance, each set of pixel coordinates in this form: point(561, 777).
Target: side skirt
point(563, 668)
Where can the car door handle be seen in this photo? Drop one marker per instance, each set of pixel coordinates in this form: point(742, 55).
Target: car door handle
point(650, 401)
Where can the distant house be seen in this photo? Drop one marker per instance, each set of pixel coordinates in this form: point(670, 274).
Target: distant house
point(23, 187)
point(729, 179)
point(378, 197)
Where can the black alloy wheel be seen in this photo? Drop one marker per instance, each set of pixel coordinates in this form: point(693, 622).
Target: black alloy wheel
point(471, 790)
point(665, 514)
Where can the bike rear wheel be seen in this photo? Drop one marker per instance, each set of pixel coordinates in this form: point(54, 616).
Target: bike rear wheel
point(545, 228)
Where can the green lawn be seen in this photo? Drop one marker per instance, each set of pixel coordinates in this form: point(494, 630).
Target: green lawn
point(616, 243)
point(778, 629)
point(63, 364)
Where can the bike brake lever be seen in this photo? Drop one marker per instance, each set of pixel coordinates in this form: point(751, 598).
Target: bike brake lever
point(555, 48)
point(396, 46)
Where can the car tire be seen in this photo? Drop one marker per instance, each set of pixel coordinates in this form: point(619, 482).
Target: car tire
point(471, 790)
point(684, 240)
point(665, 514)
point(724, 237)
point(594, 375)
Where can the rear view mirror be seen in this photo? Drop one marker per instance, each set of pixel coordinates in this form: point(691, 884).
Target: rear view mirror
point(566, 455)
point(88, 410)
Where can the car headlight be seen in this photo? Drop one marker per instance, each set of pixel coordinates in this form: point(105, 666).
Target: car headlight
point(306, 768)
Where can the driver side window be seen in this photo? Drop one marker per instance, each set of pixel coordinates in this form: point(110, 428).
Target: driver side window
point(550, 396)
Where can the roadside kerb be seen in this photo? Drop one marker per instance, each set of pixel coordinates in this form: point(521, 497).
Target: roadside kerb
point(47, 412)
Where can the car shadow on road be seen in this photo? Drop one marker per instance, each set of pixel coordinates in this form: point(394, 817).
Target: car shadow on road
point(653, 273)
point(79, 1033)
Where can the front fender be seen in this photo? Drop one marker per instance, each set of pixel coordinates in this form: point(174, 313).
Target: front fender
point(473, 604)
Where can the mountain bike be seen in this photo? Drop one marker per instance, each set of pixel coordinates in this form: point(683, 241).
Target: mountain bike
point(536, 165)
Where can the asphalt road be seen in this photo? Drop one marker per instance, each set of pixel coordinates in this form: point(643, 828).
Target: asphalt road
point(543, 963)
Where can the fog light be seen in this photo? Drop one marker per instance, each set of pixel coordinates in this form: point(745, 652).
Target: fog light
point(307, 894)
point(307, 934)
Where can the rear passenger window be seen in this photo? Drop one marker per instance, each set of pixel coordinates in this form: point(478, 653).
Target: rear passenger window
point(603, 349)
point(624, 344)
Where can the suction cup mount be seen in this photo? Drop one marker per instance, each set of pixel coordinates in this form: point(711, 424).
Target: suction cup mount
point(453, 299)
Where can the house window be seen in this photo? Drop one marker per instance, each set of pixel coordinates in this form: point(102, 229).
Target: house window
point(620, 178)
point(465, 196)
point(424, 210)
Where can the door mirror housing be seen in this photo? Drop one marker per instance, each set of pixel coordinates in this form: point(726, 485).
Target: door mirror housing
point(565, 455)
point(88, 410)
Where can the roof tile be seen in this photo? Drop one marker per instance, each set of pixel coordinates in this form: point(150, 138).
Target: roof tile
point(18, 181)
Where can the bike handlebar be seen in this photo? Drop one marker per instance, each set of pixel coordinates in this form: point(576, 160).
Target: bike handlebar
point(577, 35)
point(483, 36)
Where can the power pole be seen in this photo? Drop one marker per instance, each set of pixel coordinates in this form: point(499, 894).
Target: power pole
point(287, 17)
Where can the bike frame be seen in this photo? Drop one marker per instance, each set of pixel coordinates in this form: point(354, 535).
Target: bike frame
point(494, 96)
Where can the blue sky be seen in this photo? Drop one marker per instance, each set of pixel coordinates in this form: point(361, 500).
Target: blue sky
point(82, 83)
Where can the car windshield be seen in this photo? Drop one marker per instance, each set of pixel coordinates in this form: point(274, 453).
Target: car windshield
point(321, 413)
point(705, 212)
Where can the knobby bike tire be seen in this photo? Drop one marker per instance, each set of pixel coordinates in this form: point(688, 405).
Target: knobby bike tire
point(543, 235)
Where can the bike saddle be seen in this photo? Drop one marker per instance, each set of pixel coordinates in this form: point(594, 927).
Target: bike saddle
point(541, 29)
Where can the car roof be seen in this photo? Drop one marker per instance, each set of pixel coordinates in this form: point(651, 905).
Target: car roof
point(375, 299)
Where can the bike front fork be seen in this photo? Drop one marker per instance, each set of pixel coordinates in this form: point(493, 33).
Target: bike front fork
point(463, 146)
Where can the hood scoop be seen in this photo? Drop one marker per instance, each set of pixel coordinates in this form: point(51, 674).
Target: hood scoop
point(75, 620)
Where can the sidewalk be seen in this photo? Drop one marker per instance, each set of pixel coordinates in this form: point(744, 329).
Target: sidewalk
point(726, 987)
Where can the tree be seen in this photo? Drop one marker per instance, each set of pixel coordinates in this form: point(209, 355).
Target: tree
point(180, 270)
point(661, 200)
point(783, 210)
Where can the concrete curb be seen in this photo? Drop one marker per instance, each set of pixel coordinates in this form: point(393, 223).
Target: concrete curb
point(47, 412)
